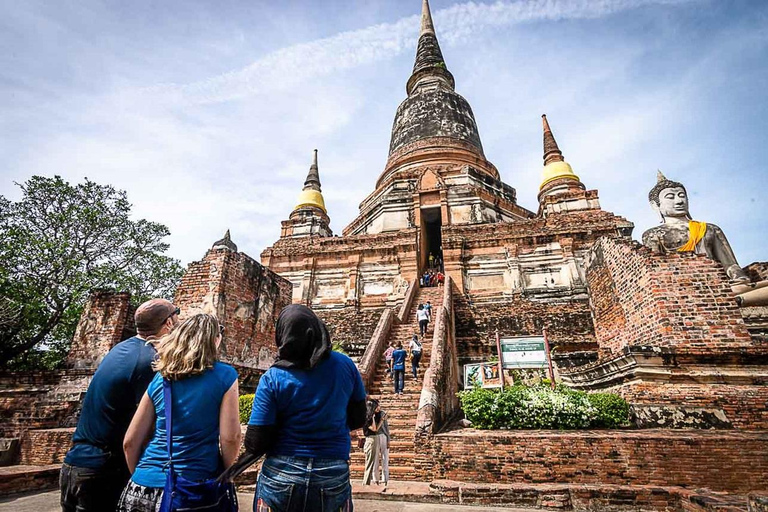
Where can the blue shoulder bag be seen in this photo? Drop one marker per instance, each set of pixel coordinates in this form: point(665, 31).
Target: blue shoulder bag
point(182, 495)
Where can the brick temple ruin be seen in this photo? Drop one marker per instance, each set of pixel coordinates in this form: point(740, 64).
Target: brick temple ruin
point(666, 331)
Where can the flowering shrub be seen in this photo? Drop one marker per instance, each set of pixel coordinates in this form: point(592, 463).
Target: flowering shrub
point(246, 404)
point(523, 407)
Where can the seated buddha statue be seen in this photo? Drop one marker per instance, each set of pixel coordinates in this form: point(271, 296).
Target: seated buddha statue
point(680, 233)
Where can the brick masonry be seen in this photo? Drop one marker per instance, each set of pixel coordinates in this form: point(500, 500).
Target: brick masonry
point(734, 462)
point(42, 447)
point(677, 300)
point(569, 326)
point(351, 326)
point(672, 341)
point(107, 319)
point(245, 296)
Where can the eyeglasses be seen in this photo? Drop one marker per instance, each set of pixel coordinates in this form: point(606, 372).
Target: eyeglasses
point(176, 312)
point(221, 330)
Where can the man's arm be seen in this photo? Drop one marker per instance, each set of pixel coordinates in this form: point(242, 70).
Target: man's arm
point(139, 432)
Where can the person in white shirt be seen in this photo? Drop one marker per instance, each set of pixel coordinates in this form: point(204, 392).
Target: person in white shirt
point(414, 349)
point(423, 318)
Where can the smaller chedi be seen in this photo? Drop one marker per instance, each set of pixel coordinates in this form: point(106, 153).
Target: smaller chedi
point(680, 233)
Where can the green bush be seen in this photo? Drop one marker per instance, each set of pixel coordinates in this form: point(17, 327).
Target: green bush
point(246, 404)
point(530, 407)
point(612, 410)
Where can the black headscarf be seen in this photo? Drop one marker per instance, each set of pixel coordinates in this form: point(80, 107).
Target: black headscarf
point(302, 338)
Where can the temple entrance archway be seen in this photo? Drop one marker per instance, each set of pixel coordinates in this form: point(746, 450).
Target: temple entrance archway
point(431, 237)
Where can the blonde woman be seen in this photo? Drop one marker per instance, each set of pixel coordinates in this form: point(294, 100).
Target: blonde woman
point(204, 408)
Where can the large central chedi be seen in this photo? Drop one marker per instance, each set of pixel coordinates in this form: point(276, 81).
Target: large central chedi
point(439, 195)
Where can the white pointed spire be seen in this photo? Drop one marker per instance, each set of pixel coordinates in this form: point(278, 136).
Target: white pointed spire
point(427, 27)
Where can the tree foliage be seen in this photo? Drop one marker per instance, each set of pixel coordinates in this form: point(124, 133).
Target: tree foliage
point(59, 242)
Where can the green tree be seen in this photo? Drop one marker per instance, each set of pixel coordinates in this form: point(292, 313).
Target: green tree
point(59, 242)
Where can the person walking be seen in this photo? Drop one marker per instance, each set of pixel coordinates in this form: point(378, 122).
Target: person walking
point(398, 368)
point(428, 308)
point(382, 463)
point(94, 472)
point(423, 318)
point(388, 358)
point(414, 350)
point(373, 420)
point(189, 415)
point(304, 407)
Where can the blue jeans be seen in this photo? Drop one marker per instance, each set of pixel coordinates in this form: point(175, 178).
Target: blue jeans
point(415, 358)
point(300, 484)
point(399, 380)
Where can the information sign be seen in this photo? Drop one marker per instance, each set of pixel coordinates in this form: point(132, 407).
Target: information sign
point(484, 375)
point(523, 352)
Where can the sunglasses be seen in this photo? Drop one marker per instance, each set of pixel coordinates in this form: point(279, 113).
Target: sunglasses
point(176, 312)
point(221, 330)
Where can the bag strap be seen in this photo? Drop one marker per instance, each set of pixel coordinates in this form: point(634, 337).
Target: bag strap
point(168, 399)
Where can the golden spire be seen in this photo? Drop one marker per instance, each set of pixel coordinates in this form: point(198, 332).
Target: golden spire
point(555, 166)
point(311, 195)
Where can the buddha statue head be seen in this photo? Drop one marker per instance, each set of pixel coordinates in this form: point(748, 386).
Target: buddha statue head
point(669, 199)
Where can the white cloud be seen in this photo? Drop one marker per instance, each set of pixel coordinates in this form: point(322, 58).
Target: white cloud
point(296, 64)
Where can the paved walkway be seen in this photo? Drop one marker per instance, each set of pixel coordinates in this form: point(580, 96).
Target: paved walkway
point(49, 502)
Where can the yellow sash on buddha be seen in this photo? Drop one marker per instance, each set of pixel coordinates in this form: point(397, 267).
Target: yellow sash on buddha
point(696, 233)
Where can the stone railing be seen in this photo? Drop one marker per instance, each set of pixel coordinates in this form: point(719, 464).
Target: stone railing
point(438, 401)
point(376, 347)
point(413, 289)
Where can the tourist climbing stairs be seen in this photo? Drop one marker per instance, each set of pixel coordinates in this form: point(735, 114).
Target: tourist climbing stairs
point(402, 410)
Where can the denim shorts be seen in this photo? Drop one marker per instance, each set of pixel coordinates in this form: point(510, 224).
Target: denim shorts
point(300, 484)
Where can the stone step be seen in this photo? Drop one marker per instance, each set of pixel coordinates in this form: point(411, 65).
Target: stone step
point(18, 479)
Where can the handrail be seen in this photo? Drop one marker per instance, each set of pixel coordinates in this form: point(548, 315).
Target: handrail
point(378, 342)
point(376, 347)
point(408, 301)
point(438, 400)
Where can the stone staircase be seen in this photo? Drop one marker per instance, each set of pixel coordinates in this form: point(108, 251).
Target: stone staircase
point(402, 410)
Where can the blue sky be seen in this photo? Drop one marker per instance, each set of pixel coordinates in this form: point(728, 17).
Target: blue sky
point(207, 112)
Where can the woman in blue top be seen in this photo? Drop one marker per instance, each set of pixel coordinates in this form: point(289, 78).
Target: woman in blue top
point(206, 425)
point(304, 407)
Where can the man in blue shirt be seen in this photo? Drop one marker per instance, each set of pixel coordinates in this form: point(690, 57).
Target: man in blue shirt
point(398, 368)
point(94, 471)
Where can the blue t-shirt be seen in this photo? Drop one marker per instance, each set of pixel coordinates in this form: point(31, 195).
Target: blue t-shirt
point(196, 405)
point(109, 405)
point(398, 359)
point(309, 407)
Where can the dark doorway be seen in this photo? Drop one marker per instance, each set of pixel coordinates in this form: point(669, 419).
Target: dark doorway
point(433, 243)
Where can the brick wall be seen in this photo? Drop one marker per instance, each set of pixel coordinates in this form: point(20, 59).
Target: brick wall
point(720, 405)
point(439, 401)
point(42, 447)
point(351, 326)
point(719, 460)
point(569, 325)
point(677, 300)
point(245, 296)
point(42, 399)
point(107, 319)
